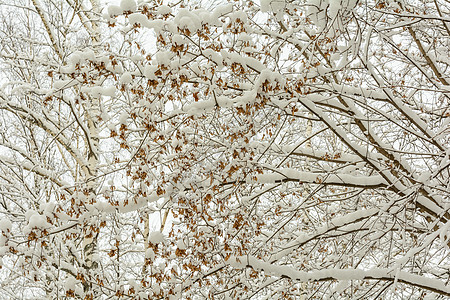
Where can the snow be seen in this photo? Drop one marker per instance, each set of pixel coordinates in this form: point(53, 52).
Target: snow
point(156, 25)
point(181, 245)
point(265, 5)
point(70, 283)
point(75, 58)
point(29, 213)
point(153, 197)
point(88, 54)
point(338, 156)
point(275, 6)
point(149, 72)
point(97, 91)
point(200, 107)
point(138, 18)
point(214, 56)
point(333, 8)
point(338, 274)
point(5, 225)
point(254, 64)
point(149, 253)
point(238, 15)
point(224, 102)
point(128, 5)
point(109, 91)
point(338, 222)
point(341, 286)
point(429, 204)
point(424, 177)
point(186, 19)
point(313, 6)
point(325, 178)
point(222, 10)
point(164, 58)
point(156, 237)
point(123, 118)
point(114, 10)
point(137, 58)
point(247, 97)
point(352, 217)
point(132, 205)
point(126, 78)
point(38, 221)
point(116, 69)
point(163, 10)
point(64, 84)
point(269, 76)
point(105, 207)
point(180, 40)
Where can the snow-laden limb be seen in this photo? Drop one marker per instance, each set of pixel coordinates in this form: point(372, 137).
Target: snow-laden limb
point(29, 166)
point(337, 157)
point(286, 175)
point(338, 223)
point(49, 125)
point(430, 284)
point(365, 154)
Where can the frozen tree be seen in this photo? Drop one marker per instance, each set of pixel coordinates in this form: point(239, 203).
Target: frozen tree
point(57, 165)
point(225, 150)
